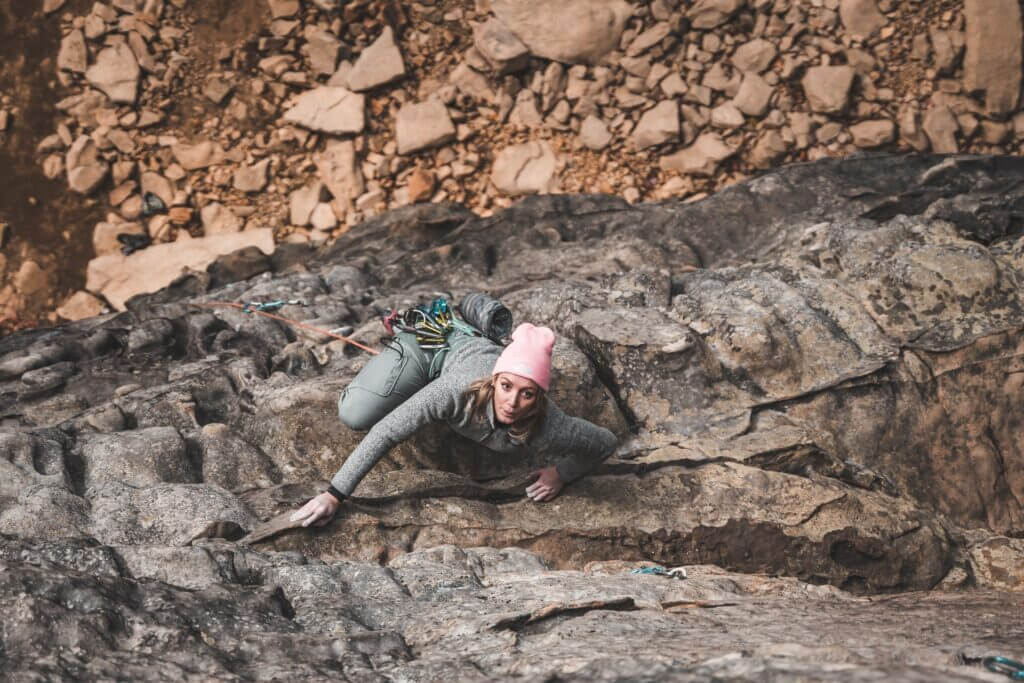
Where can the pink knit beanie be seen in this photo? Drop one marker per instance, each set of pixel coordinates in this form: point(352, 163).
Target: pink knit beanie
point(529, 354)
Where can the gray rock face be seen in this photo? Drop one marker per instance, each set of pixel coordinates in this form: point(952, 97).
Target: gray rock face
point(812, 374)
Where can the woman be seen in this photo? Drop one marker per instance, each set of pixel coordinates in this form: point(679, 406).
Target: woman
point(494, 396)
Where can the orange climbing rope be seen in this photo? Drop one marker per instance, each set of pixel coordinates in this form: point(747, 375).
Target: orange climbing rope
point(296, 323)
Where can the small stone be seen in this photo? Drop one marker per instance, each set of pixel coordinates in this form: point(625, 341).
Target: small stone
point(322, 49)
point(828, 87)
point(504, 52)
point(282, 9)
point(727, 116)
point(754, 95)
point(423, 125)
point(380, 63)
point(180, 215)
point(940, 125)
point(657, 125)
point(769, 148)
point(197, 156)
point(420, 185)
point(51, 6)
point(594, 134)
point(155, 183)
point(339, 171)
point(85, 169)
point(217, 219)
point(649, 38)
point(336, 111)
point(79, 306)
point(30, 278)
point(707, 14)
point(73, 55)
point(252, 178)
point(861, 18)
point(217, 89)
point(754, 56)
point(303, 201)
point(869, 134)
point(701, 158)
point(525, 168)
point(323, 217)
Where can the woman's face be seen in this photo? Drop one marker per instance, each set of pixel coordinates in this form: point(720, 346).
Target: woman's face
point(513, 397)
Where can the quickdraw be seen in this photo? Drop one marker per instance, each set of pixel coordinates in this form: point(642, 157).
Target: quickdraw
point(260, 307)
point(674, 573)
point(1006, 666)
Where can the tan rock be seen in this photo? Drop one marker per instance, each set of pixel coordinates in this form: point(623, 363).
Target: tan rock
point(940, 125)
point(861, 18)
point(754, 95)
point(116, 73)
point(85, 169)
point(252, 178)
point(768, 149)
point(504, 52)
point(30, 278)
point(379, 64)
point(828, 87)
point(701, 158)
point(421, 125)
point(754, 56)
point(282, 9)
point(727, 116)
point(993, 60)
point(868, 134)
point(910, 128)
point(118, 277)
point(304, 200)
point(525, 168)
point(707, 14)
point(218, 219)
point(199, 155)
point(104, 236)
point(339, 171)
point(337, 111)
point(594, 134)
point(51, 6)
point(323, 217)
point(73, 55)
point(649, 38)
point(568, 31)
point(79, 306)
point(158, 185)
point(657, 125)
point(420, 186)
point(322, 49)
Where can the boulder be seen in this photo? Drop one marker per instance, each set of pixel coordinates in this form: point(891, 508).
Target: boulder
point(573, 31)
point(379, 64)
point(421, 125)
point(328, 109)
point(525, 168)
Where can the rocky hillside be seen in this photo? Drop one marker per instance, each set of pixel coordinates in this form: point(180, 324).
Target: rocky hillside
point(228, 124)
point(814, 376)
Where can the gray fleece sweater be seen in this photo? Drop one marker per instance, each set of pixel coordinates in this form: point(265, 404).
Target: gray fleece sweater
point(575, 445)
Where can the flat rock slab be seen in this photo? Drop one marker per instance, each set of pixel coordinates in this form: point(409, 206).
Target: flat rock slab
point(328, 109)
point(421, 125)
point(118, 277)
point(116, 73)
point(525, 168)
point(573, 31)
point(379, 64)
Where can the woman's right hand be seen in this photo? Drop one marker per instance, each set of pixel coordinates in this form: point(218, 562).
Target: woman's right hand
point(318, 511)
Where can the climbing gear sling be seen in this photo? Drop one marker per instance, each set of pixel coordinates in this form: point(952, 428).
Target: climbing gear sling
point(1005, 665)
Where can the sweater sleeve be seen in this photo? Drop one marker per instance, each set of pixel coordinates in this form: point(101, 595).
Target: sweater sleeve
point(437, 401)
point(579, 445)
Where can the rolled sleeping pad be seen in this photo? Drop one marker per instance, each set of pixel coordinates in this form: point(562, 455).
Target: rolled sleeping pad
point(486, 314)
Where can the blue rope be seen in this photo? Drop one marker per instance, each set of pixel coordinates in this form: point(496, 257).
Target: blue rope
point(1005, 665)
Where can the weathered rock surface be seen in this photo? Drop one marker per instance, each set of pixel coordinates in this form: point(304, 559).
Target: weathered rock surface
point(813, 376)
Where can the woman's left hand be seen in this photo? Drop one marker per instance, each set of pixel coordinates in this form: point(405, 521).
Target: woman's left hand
point(547, 485)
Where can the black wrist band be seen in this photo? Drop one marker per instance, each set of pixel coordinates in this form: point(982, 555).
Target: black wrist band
point(336, 493)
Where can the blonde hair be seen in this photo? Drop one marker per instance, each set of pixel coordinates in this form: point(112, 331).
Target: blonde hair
point(481, 391)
